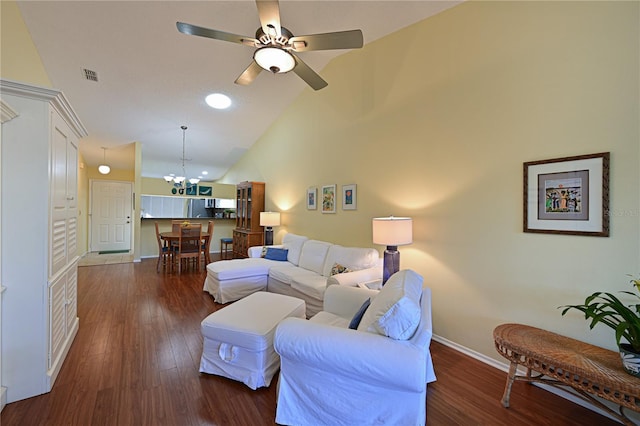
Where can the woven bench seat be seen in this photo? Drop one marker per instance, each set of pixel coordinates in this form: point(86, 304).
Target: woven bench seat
point(563, 361)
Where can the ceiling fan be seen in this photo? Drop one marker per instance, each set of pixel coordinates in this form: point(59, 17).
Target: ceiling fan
point(277, 46)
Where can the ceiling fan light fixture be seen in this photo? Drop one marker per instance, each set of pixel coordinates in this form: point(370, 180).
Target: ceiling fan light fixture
point(274, 59)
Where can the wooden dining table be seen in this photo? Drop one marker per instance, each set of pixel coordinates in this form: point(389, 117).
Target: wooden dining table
point(170, 236)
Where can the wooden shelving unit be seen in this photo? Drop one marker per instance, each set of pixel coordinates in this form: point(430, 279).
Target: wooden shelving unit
point(249, 204)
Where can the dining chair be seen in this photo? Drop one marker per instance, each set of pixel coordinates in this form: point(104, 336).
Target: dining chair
point(206, 246)
point(164, 253)
point(189, 245)
point(176, 225)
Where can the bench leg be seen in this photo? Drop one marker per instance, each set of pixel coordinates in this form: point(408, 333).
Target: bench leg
point(510, 379)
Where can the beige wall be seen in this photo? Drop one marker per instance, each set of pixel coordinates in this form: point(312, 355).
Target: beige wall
point(435, 121)
point(19, 60)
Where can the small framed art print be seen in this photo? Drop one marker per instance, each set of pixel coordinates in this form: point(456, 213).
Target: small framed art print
point(312, 198)
point(329, 199)
point(349, 197)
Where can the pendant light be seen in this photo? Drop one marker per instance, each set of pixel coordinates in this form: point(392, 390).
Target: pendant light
point(104, 167)
point(181, 181)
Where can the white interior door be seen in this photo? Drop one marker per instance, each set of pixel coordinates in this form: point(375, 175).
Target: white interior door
point(111, 213)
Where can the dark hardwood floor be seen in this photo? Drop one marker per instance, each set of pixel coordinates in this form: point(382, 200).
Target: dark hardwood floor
point(136, 356)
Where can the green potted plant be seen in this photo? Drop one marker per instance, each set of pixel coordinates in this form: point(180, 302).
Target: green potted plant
point(607, 309)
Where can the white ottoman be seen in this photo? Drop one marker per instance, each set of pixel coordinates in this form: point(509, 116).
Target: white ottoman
point(238, 339)
point(230, 280)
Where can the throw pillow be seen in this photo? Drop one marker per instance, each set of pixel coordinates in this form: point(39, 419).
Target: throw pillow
point(355, 321)
point(276, 254)
point(395, 312)
point(339, 269)
point(264, 251)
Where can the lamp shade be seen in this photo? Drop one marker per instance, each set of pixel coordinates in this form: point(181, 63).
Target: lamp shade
point(269, 219)
point(104, 169)
point(392, 231)
point(274, 59)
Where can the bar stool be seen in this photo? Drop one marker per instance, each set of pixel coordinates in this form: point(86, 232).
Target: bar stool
point(224, 247)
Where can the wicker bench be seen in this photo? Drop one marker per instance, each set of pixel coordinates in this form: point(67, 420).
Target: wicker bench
point(564, 362)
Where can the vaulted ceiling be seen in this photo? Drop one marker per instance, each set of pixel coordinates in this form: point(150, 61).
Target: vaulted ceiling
point(151, 79)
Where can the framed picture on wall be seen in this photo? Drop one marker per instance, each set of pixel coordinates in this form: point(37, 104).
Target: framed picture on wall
point(312, 198)
point(349, 197)
point(567, 195)
point(192, 189)
point(329, 199)
point(205, 191)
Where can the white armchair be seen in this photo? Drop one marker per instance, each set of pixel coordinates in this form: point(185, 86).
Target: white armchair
point(333, 375)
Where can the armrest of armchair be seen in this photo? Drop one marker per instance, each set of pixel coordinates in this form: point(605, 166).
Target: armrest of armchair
point(365, 357)
point(354, 278)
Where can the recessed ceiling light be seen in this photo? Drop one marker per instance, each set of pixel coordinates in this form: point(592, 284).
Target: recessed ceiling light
point(204, 172)
point(218, 101)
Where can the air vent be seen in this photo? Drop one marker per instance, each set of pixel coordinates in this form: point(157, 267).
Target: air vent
point(90, 75)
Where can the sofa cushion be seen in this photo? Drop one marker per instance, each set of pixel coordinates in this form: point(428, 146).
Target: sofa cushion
point(355, 321)
point(339, 269)
point(293, 243)
point(312, 285)
point(313, 255)
point(395, 311)
point(279, 254)
point(286, 272)
point(327, 318)
point(240, 268)
point(354, 258)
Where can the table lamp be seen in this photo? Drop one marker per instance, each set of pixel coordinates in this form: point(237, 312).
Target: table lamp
point(392, 232)
point(269, 219)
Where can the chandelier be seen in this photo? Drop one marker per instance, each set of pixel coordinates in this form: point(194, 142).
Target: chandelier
point(181, 182)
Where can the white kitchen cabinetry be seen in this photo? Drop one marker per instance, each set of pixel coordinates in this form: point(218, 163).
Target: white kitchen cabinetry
point(39, 261)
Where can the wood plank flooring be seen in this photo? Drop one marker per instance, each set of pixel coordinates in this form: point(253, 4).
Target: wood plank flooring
point(136, 356)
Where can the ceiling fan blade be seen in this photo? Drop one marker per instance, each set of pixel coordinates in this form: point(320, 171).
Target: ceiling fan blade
point(269, 13)
point(307, 74)
point(339, 40)
point(249, 74)
point(215, 34)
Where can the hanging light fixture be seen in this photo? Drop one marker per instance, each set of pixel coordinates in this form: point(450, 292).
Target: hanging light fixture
point(104, 167)
point(180, 182)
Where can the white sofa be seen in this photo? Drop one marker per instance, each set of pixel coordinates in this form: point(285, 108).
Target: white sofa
point(305, 274)
point(375, 374)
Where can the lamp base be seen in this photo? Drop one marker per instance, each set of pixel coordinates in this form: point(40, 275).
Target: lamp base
point(268, 236)
point(391, 263)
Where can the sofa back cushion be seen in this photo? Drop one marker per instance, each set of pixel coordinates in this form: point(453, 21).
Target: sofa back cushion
point(354, 258)
point(396, 311)
point(313, 255)
point(293, 243)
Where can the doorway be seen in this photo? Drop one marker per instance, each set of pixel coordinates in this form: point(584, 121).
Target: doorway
point(110, 216)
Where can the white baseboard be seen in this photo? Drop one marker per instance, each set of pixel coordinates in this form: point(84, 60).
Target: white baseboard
point(566, 394)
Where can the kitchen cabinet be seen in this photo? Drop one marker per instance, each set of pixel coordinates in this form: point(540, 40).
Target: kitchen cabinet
point(39, 264)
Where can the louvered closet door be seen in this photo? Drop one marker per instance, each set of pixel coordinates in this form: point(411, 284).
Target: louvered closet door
point(71, 298)
point(58, 198)
point(57, 319)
